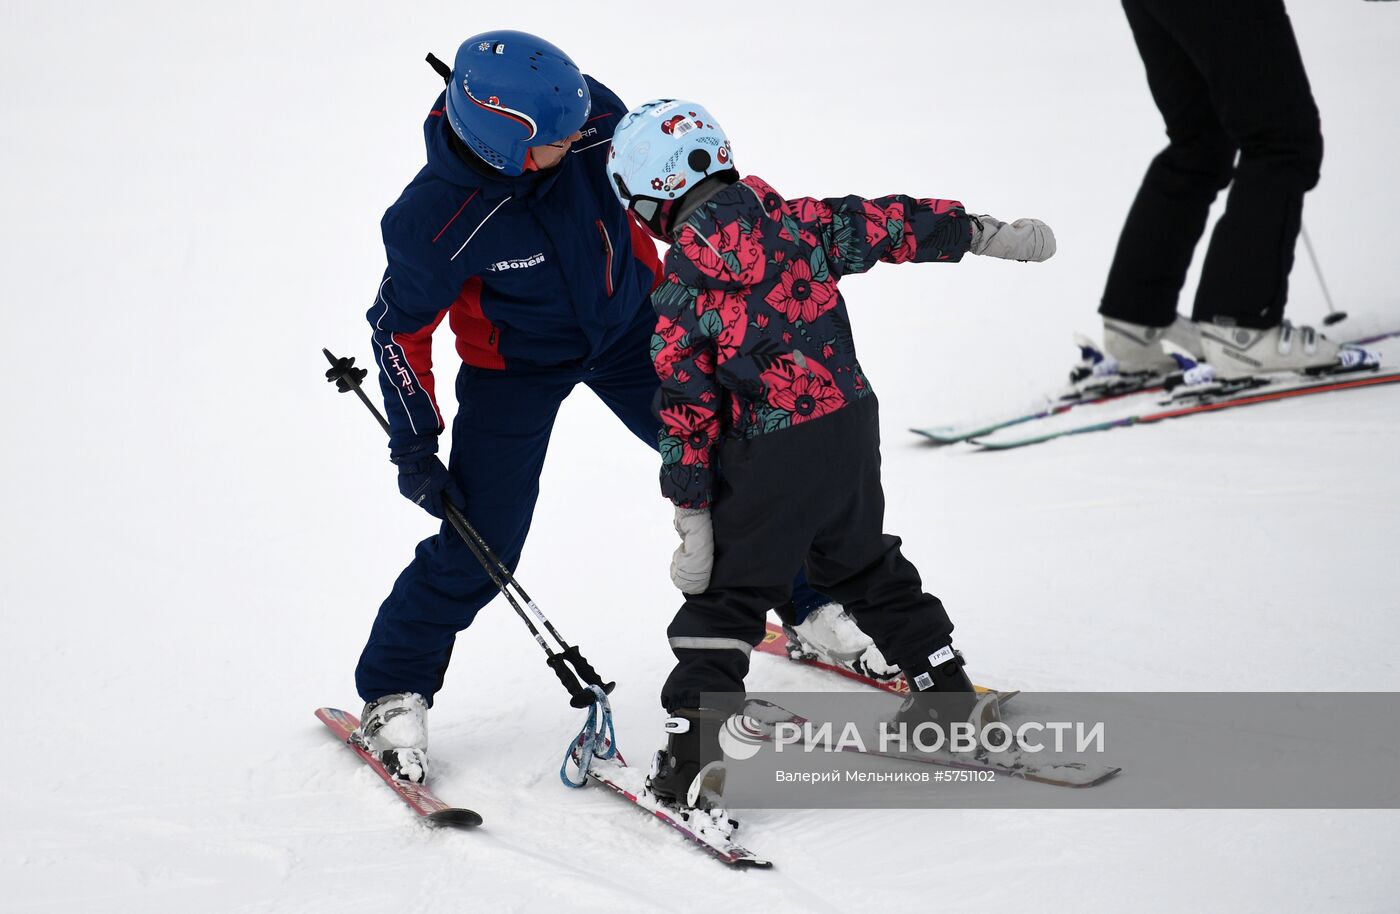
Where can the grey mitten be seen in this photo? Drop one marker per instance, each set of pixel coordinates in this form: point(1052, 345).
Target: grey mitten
point(1024, 239)
point(695, 556)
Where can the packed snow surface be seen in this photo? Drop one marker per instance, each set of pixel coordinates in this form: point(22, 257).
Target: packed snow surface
point(197, 530)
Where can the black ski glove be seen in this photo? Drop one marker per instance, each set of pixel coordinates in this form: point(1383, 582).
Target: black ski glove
point(423, 479)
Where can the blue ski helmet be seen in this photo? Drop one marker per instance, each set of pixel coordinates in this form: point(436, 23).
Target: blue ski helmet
point(660, 151)
point(510, 91)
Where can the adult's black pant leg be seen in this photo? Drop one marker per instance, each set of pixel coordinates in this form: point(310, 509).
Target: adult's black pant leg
point(1169, 214)
point(1249, 55)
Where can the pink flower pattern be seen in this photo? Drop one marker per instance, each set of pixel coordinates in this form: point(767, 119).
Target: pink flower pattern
point(805, 391)
point(733, 312)
point(799, 297)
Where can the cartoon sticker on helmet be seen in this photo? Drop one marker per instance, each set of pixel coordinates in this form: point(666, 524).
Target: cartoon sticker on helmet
point(723, 153)
point(669, 184)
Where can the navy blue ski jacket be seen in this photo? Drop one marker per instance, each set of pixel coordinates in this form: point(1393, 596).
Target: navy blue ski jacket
point(541, 270)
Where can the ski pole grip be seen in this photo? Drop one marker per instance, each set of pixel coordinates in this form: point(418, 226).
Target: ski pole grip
point(585, 669)
point(579, 697)
point(347, 378)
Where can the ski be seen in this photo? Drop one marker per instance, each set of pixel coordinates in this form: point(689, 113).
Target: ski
point(1049, 405)
point(1161, 410)
point(1093, 381)
point(1012, 763)
point(775, 641)
point(417, 796)
point(710, 831)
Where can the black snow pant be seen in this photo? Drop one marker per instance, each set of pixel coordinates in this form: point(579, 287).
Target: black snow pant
point(809, 493)
point(1228, 79)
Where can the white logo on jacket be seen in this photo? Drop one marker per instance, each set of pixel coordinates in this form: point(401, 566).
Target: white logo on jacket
point(519, 263)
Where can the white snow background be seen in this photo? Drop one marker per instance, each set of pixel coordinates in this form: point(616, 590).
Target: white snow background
point(197, 530)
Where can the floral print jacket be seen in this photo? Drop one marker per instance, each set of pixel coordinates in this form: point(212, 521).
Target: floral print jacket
point(752, 335)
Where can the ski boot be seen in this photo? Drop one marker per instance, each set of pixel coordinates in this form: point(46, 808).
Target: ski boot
point(690, 770)
point(830, 635)
point(394, 729)
point(1243, 352)
point(941, 692)
point(1137, 348)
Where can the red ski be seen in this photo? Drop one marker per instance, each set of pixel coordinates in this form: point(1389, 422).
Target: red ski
point(417, 796)
point(775, 642)
point(1266, 391)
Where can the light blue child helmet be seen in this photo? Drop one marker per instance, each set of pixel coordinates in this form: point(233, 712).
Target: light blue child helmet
point(513, 90)
point(660, 152)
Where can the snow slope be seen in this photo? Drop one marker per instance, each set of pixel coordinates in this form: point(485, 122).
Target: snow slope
point(197, 532)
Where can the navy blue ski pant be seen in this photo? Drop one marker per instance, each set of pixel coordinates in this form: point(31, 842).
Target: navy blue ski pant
point(499, 439)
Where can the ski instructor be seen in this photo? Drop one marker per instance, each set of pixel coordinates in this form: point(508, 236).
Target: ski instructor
point(512, 234)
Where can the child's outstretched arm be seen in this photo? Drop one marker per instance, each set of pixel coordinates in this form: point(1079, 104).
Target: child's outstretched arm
point(899, 229)
point(896, 229)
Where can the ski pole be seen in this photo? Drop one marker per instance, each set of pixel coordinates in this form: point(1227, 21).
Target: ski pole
point(348, 378)
point(1333, 315)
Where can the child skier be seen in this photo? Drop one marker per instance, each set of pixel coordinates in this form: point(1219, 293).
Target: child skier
point(770, 430)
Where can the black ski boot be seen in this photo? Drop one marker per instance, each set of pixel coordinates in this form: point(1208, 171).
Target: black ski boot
point(690, 770)
point(940, 691)
point(941, 672)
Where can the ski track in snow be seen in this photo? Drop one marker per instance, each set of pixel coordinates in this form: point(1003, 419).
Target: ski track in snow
point(197, 532)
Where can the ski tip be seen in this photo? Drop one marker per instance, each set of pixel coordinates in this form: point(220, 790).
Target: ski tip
point(455, 817)
point(336, 718)
point(1003, 695)
point(753, 863)
point(936, 436)
point(1107, 775)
